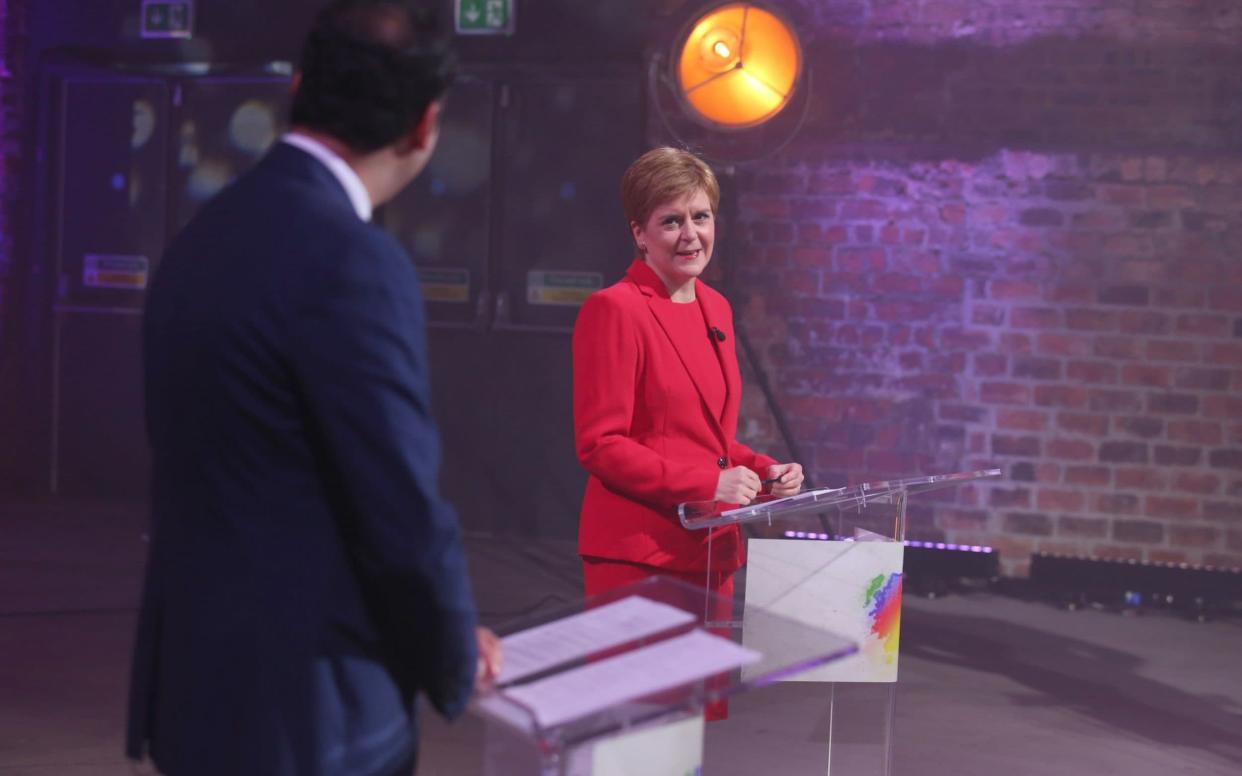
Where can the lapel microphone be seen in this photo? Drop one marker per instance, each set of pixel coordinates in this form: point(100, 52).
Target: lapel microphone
point(717, 333)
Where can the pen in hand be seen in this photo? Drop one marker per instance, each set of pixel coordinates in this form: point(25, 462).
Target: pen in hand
point(772, 481)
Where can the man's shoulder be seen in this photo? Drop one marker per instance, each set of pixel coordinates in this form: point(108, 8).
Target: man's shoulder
point(358, 255)
point(266, 199)
point(270, 226)
point(304, 213)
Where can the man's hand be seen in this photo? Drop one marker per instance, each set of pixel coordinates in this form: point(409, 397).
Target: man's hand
point(491, 659)
point(144, 767)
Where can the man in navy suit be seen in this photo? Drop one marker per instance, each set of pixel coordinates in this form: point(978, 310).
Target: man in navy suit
point(305, 581)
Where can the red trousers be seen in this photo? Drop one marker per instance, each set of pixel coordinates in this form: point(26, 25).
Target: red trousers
point(600, 575)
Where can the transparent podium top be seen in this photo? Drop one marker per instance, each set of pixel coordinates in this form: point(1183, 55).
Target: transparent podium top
point(709, 514)
point(634, 654)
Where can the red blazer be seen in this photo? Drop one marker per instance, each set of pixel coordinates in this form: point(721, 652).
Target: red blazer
point(643, 430)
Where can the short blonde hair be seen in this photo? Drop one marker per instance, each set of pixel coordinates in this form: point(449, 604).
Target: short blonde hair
point(661, 175)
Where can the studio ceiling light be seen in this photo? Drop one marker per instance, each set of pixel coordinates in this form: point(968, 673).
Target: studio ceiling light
point(737, 66)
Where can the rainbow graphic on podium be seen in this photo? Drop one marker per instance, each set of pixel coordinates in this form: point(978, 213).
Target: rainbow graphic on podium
point(883, 604)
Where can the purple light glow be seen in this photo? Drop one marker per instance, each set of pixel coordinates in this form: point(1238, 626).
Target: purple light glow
point(908, 542)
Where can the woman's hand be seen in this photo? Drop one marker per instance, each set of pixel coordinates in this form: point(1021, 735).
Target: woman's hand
point(738, 485)
point(788, 478)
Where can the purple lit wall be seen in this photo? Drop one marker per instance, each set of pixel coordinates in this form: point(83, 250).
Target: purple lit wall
point(1010, 234)
point(9, 24)
point(13, 35)
point(12, 28)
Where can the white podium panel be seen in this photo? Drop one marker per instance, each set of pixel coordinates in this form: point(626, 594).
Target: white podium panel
point(849, 588)
point(831, 559)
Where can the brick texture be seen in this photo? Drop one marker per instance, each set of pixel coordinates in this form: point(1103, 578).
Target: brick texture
point(1016, 233)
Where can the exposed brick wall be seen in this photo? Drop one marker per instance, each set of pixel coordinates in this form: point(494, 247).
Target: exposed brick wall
point(1006, 22)
point(1014, 239)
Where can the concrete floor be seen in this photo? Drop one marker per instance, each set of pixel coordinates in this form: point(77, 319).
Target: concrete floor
point(989, 684)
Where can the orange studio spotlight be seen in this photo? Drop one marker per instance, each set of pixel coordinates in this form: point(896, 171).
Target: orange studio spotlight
point(737, 66)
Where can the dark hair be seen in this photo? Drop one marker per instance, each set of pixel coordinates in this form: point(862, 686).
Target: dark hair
point(369, 70)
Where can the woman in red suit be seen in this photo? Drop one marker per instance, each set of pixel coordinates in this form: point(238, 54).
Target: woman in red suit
point(656, 393)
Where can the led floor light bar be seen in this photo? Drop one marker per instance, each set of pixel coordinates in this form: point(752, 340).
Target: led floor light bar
point(1198, 591)
point(934, 568)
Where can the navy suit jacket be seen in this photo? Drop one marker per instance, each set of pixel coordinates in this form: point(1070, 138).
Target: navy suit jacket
point(305, 581)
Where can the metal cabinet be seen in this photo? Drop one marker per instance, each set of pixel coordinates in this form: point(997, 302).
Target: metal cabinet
point(518, 216)
point(130, 158)
point(516, 220)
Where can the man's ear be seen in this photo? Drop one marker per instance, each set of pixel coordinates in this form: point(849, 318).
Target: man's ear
point(423, 134)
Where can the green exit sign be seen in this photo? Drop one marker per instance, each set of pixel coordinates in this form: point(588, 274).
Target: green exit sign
point(485, 17)
point(167, 18)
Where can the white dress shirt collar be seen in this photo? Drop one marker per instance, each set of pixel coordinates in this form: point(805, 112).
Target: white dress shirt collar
point(345, 174)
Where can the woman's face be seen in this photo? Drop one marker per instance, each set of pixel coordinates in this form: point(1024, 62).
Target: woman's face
point(677, 238)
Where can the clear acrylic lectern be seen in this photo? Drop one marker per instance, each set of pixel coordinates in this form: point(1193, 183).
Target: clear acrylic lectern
point(617, 683)
point(830, 558)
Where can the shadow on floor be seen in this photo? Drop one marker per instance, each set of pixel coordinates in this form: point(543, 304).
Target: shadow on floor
point(1099, 682)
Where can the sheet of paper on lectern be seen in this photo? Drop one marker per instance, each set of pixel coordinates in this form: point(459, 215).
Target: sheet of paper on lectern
point(594, 687)
point(595, 630)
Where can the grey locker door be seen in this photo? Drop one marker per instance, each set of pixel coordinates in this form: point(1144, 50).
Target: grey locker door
point(504, 398)
point(138, 157)
point(444, 217)
point(109, 216)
